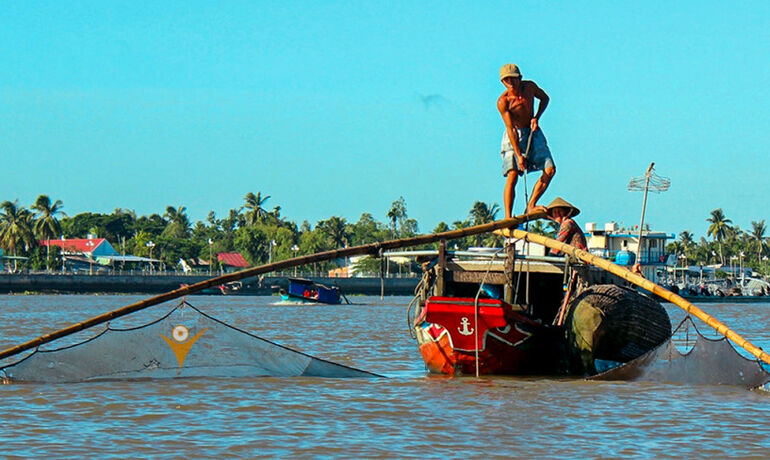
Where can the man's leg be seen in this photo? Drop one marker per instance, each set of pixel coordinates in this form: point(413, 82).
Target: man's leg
point(509, 192)
point(540, 187)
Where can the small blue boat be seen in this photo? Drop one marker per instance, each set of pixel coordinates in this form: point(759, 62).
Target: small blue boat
point(308, 291)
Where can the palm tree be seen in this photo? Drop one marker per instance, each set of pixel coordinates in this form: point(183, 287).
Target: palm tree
point(178, 222)
point(482, 213)
point(758, 232)
point(16, 224)
point(687, 242)
point(718, 229)
point(549, 229)
point(274, 217)
point(125, 211)
point(47, 225)
point(254, 210)
point(336, 229)
point(397, 213)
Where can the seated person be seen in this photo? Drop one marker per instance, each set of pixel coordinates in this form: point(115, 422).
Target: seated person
point(569, 231)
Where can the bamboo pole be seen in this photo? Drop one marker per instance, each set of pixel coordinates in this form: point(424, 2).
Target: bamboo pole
point(371, 249)
point(642, 282)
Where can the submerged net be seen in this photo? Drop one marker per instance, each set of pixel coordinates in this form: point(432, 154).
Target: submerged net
point(708, 362)
point(184, 343)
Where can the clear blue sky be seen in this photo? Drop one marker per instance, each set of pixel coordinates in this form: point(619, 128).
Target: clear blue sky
point(338, 108)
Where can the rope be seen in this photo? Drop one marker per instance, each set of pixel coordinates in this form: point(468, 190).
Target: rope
point(526, 225)
point(526, 287)
point(526, 188)
point(518, 277)
point(568, 288)
point(409, 319)
point(421, 290)
point(476, 308)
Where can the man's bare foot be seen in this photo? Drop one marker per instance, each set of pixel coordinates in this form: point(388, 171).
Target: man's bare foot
point(536, 209)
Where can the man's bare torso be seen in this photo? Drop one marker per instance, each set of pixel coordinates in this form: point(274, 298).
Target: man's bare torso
point(520, 105)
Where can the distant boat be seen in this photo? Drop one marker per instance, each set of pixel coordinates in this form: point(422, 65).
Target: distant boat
point(231, 288)
point(748, 290)
point(307, 291)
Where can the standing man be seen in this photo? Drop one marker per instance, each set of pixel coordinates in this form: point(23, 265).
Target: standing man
point(516, 106)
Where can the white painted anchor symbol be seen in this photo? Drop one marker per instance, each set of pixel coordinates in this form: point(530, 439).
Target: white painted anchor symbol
point(465, 330)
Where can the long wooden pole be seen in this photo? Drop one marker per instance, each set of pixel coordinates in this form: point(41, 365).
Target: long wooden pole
point(642, 282)
point(372, 249)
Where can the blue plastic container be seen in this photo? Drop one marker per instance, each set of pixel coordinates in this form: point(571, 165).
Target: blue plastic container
point(625, 258)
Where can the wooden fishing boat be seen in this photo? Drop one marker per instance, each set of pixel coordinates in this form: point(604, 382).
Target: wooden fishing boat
point(307, 291)
point(514, 314)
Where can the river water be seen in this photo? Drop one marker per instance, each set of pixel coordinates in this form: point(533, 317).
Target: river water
point(406, 414)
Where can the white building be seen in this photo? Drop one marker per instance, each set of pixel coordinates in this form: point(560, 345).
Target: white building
point(620, 246)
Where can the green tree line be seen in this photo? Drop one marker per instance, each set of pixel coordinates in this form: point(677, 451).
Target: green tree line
point(260, 234)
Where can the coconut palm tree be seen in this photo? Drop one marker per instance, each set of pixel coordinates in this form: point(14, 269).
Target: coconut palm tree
point(47, 226)
point(549, 229)
point(178, 222)
point(758, 232)
point(255, 211)
point(482, 213)
point(336, 230)
point(718, 229)
point(397, 213)
point(687, 242)
point(16, 224)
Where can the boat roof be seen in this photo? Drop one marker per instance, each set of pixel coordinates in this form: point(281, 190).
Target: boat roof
point(300, 280)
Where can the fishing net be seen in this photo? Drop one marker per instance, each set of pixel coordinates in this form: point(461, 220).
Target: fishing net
point(707, 362)
point(184, 343)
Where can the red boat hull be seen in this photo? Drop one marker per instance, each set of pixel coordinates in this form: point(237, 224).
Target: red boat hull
point(453, 331)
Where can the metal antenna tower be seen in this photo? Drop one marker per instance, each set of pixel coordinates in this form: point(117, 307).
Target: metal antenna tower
point(650, 182)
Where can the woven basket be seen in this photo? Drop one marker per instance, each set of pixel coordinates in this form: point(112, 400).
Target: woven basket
point(612, 324)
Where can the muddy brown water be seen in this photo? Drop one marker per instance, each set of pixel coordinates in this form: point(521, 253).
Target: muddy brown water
point(407, 414)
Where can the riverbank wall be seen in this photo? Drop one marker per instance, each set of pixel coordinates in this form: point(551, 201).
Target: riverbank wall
point(67, 283)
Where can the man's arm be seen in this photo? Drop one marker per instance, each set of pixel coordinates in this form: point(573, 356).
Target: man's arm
point(502, 107)
point(543, 103)
point(565, 232)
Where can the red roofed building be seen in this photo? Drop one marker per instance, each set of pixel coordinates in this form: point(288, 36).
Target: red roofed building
point(232, 260)
point(93, 246)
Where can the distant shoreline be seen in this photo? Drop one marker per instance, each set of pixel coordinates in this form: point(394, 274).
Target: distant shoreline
point(67, 283)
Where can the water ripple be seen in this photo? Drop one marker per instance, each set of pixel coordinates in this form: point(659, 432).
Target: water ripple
point(408, 414)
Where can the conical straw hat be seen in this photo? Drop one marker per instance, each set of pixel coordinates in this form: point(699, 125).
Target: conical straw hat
point(560, 202)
